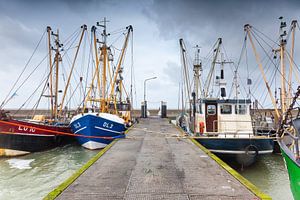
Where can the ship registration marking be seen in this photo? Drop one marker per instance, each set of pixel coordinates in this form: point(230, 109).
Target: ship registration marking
point(77, 125)
point(23, 128)
point(108, 125)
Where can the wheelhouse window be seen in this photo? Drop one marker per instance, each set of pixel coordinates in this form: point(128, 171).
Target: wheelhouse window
point(241, 109)
point(226, 109)
point(211, 109)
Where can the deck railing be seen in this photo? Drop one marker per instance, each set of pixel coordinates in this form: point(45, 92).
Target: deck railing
point(217, 123)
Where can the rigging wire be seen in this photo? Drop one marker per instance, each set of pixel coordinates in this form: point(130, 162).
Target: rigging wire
point(27, 78)
point(274, 42)
point(276, 65)
point(269, 58)
point(26, 101)
point(40, 97)
point(25, 67)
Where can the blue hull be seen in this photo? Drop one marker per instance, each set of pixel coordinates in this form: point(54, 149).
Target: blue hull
point(90, 126)
point(237, 146)
point(242, 150)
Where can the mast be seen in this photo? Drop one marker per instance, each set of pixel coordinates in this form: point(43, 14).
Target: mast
point(291, 60)
point(197, 71)
point(97, 63)
point(209, 77)
point(282, 66)
point(119, 69)
point(50, 73)
point(83, 27)
point(131, 75)
point(57, 59)
point(186, 80)
point(103, 57)
point(96, 73)
point(185, 70)
point(247, 28)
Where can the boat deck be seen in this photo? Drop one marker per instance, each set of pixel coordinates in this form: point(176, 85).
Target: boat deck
point(153, 164)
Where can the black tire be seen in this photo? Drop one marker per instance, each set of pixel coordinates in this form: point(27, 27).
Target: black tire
point(251, 148)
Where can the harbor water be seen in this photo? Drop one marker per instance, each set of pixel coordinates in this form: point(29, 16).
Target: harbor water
point(270, 175)
point(33, 176)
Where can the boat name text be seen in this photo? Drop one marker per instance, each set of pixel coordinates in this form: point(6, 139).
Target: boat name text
point(23, 128)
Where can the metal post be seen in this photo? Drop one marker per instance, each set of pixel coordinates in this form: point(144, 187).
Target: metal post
point(145, 103)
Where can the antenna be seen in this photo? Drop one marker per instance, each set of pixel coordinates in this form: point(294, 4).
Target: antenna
point(104, 34)
point(221, 81)
point(197, 72)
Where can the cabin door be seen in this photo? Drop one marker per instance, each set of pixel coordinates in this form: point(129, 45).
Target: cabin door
point(211, 117)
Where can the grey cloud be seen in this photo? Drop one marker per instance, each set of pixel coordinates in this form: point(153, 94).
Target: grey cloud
point(155, 22)
point(202, 22)
point(172, 72)
point(207, 20)
point(14, 32)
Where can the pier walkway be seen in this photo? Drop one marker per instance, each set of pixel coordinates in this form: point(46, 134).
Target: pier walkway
point(153, 164)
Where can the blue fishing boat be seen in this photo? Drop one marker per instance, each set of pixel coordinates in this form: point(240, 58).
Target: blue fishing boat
point(99, 129)
point(105, 114)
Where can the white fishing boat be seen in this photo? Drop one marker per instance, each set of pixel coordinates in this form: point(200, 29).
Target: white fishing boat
point(221, 123)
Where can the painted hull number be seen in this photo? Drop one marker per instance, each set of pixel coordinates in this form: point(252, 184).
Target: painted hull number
point(77, 125)
point(23, 128)
point(108, 125)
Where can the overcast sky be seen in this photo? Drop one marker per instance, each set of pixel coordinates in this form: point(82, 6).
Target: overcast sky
point(158, 25)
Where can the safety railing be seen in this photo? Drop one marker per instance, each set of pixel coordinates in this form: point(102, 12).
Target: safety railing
point(220, 127)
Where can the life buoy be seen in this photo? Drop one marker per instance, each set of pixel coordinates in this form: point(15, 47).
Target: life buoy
point(201, 127)
point(251, 148)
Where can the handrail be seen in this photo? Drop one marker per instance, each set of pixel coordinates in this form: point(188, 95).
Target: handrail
point(232, 132)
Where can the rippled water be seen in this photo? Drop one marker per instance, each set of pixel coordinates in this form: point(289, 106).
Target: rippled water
point(33, 176)
point(269, 174)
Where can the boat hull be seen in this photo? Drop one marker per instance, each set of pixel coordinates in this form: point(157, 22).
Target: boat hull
point(95, 132)
point(243, 150)
point(294, 175)
point(293, 168)
point(20, 137)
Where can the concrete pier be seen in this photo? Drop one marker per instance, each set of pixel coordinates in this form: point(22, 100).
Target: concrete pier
point(152, 163)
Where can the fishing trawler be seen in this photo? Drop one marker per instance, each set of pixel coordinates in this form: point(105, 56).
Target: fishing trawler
point(45, 131)
point(287, 110)
point(107, 117)
point(221, 124)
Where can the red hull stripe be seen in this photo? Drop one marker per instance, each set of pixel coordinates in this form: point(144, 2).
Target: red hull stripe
point(54, 132)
